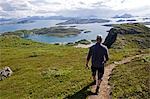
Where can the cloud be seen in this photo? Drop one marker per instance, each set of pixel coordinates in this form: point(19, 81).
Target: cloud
point(127, 4)
point(43, 2)
point(81, 2)
point(99, 12)
point(13, 6)
point(23, 8)
point(122, 1)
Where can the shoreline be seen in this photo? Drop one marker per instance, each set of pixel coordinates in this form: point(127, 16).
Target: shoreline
point(83, 45)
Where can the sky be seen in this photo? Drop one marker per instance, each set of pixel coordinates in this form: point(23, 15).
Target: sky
point(76, 8)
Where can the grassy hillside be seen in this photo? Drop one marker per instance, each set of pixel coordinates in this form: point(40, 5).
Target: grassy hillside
point(46, 71)
point(41, 70)
point(54, 71)
point(131, 80)
point(131, 36)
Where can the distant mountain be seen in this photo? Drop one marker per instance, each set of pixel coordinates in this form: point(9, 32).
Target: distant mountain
point(48, 18)
point(11, 21)
point(3, 19)
point(83, 21)
point(33, 18)
point(24, 21)
point(123, 16)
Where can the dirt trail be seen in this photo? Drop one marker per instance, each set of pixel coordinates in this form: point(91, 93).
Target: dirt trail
point(104, 87)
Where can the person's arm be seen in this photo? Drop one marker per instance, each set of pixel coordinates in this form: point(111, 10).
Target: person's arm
point(106, 55)
point(88, 57)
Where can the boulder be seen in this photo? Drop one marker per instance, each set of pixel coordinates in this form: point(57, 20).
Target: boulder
point(5, 72)
point(111, 37)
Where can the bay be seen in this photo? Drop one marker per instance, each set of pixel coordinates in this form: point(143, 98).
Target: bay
point(95, 28)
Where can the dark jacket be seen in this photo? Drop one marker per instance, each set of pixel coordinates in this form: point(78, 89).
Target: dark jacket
point(99, 54)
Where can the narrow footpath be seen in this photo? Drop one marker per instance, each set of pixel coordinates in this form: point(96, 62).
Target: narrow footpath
point(104, 91)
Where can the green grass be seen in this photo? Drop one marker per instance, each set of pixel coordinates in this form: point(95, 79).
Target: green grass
point(41, 70)
point(44, 70)
point(138, 27)
point(131, 80)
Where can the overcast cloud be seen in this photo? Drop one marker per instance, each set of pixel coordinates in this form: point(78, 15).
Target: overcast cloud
point(101, 8)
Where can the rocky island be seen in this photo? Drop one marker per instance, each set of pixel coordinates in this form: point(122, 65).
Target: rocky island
point(59, 31)
point(83, 21)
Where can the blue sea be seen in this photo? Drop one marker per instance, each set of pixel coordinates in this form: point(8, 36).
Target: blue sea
point(95, 28)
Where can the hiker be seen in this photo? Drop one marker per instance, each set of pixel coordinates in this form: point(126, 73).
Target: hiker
point(99, 55)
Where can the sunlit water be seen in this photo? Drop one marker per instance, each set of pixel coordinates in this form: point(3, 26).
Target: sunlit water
point(95, 28)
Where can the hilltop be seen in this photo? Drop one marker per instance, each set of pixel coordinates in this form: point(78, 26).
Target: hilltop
point(58, 71)
point(130, 80)
point(133, 34)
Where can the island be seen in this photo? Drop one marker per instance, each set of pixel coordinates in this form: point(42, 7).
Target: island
point(132, 20)
point(17, 22)
point(120, 20)
point(83, 21)
point(86, 31)
point(144, 23)
point(59, 31)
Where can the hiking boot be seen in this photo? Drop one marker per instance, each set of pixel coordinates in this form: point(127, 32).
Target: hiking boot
point(94, 82)
point(97, 90)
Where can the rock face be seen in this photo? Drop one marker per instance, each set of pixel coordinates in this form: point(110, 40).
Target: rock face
point(111, 37)
point(124, 29)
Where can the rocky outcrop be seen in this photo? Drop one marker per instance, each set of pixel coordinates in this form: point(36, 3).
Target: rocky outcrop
point(124, 29)
point(111, 37)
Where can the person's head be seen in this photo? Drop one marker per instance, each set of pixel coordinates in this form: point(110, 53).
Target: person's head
point(99, 39)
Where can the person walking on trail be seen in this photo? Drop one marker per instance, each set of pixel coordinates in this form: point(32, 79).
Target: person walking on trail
point(99, 55)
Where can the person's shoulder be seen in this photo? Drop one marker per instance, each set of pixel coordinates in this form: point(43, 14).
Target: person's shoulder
point(92, 46)
point(105, 47)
